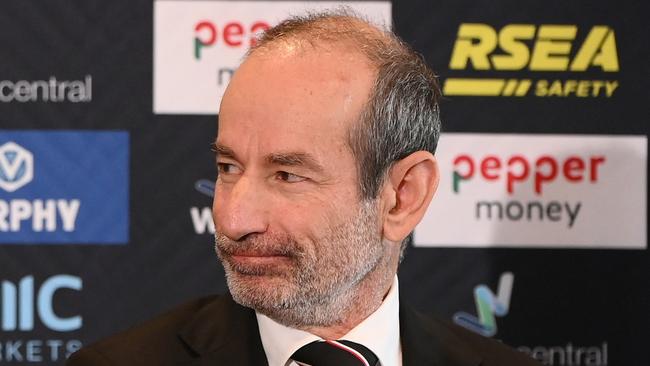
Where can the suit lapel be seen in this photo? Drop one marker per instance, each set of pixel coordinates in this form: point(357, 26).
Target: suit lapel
point(224, 333)
point(429, 341)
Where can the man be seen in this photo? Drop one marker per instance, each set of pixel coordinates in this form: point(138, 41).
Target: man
point(325, 165)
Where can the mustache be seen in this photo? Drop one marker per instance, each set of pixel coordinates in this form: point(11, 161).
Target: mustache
point(260, 245)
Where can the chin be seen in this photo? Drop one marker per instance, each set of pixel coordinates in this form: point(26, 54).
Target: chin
point(261, 292)
point(258, 282)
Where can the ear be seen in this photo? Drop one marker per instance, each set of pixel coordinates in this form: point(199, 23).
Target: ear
point(407, 192)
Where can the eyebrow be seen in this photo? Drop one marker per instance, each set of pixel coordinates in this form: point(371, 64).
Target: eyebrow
point(223, 151)
point(290, 159)
point(295, 159)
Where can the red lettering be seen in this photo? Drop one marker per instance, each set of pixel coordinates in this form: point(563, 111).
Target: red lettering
point(540, 178)
point(595, 161)
point(232, 34)
point(518, 169)
point(490, 167)
point(512, 177)
point(573, 169)
point(212, 31)
point(470, 166)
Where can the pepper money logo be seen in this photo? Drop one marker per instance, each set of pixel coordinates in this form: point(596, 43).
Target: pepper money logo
point(16, 166)
point(488, 306)
point(529, 51)
point(532, 191)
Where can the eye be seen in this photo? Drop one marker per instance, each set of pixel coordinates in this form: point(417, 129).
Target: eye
point(225, 168)
point(289, 178)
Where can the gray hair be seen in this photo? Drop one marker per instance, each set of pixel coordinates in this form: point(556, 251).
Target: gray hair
point(401, 115)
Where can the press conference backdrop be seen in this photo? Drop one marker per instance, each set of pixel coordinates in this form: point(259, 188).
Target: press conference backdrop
point(537, 236)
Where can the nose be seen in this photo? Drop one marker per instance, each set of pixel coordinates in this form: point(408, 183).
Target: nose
point(239, 209)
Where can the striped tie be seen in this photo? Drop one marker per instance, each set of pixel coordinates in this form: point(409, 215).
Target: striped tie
point(335, 353)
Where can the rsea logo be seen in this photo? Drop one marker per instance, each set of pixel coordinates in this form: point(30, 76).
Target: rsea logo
point(488, 306)
point(63, 187)
point(208, 40)
point(530, 51)
point(531, 191)
point(27, 304)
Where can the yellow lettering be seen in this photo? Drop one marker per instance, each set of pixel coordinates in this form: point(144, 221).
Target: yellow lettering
point(610, 86)
point(552, 48)
point(541, 88)
point(607, 58)
point(569, 87)
point(578, 88)
point(583, 89)
point(474, 43)
point(596, 85)
point(517, 52)
point(599, 49)
point(555, 89)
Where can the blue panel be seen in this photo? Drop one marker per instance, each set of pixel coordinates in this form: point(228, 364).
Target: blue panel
point(78, 191)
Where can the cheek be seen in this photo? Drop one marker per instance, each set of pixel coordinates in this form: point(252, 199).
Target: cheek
point(295, 217)
point(313, 221)
point(300, 218)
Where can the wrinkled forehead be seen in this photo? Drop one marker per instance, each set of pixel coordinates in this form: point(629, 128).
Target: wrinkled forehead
point(295, 96)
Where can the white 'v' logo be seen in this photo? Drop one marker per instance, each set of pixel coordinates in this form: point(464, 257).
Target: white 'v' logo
point(16, 166)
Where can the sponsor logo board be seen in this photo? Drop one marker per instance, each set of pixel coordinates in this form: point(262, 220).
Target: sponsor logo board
point(64, 187)
point(208, 39)
point(585, 57)
point(202, 216)
point(569, 354)
point(52, 90)
point(28, 304)
point(536, 191)
point(488, 306)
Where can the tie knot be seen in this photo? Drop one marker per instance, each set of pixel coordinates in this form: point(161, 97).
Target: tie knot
point(335, 353)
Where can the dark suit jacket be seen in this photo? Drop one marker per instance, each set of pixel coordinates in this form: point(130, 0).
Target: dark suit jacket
point(217, 331)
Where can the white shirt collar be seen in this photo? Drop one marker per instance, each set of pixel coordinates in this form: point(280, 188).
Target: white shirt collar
point(379, 332)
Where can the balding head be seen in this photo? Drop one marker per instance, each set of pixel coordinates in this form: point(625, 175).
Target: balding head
point(340, 28)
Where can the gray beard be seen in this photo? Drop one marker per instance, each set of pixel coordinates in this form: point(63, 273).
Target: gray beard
point(318, 290)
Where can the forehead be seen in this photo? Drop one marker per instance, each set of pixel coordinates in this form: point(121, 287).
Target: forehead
point(295, 98)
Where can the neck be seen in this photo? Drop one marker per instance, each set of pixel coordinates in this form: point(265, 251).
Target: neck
point(363, 304)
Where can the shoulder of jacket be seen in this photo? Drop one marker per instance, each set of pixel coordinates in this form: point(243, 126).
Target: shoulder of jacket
point(491, 351)
point(151, 339)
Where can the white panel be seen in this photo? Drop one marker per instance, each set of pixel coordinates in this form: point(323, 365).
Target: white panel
point(597, 198)
point(187, 84)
